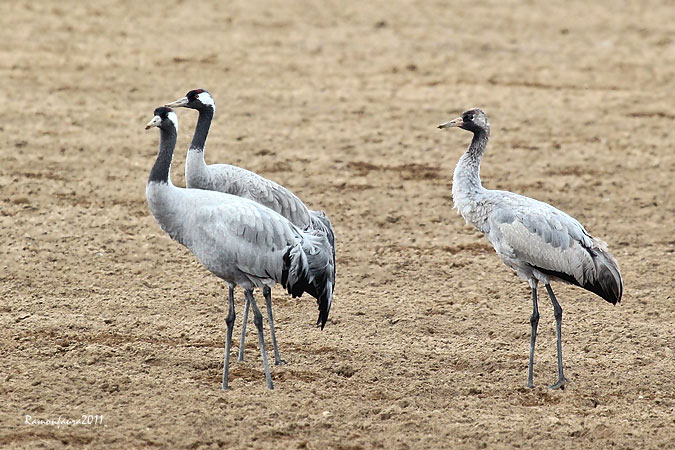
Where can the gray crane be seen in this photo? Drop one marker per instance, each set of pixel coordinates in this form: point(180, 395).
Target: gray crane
point(238, 240)
point(244, 183)
point(539, 242)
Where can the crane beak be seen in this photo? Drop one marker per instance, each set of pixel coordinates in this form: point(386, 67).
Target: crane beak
point(153, 123)
point(181, 102)
point(458, 122)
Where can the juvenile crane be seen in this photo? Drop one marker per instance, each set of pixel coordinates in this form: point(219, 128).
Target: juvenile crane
point(539, 242)
point(238, 240)
point(244, 183)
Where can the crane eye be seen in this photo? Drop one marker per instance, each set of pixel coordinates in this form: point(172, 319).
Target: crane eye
point(468, 118)
point(192, 95)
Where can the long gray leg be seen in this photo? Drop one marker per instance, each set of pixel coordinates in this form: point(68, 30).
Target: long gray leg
point(228, 340)
point(267, 292)
point(534, 322)
point(243, 331)
point(258, 320)
point(557, 313)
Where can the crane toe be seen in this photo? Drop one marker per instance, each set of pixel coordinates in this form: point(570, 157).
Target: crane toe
point(560, 384)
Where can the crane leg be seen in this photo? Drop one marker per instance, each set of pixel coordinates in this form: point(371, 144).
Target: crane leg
point(247, 306)
point(258, 320)
point(557, 313)
point(267, 292)
point(534, 322)
point(228, 340)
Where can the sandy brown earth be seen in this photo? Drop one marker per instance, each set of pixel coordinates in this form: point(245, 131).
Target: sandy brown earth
point(427, 343)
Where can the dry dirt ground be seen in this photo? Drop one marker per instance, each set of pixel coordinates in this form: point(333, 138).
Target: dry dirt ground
point(427, 343)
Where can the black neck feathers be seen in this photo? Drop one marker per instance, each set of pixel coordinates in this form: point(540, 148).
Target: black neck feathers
point(478, 143)
point(202, 128)
point(162, 167)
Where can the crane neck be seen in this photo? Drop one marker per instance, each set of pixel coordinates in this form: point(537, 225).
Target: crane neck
point(202, 129)
point(466, 179)
point(162, 167)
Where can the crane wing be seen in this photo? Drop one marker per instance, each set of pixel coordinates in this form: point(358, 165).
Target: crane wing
point(543, 237)
point(242, 234)
point(247, 184)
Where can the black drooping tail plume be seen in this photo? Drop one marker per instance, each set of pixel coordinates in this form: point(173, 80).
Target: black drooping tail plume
point(607, 282)
point(604, 281)
point(320, 221)
point(309, 267)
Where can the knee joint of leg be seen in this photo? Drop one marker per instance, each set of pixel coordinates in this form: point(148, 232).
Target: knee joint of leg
point(257, 319)
point(230, 318)
point(557, 312)
point(534, 319)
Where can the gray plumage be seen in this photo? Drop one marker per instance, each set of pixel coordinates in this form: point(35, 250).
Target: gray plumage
point(246, 184)
point(238, 240)
point(539, 242)
point(236, 180)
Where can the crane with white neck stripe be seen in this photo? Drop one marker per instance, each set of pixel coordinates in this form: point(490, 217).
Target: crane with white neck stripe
point(244, 183)
point(238, 240)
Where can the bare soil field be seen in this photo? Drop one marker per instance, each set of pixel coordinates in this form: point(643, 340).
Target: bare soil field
point(428, 338)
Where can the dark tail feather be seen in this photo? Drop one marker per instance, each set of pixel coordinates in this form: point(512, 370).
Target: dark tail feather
point(322, 271)
point(608, 283)
point(295, 274)
point(324, 297)
point(320, 221)
point(310, 268)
